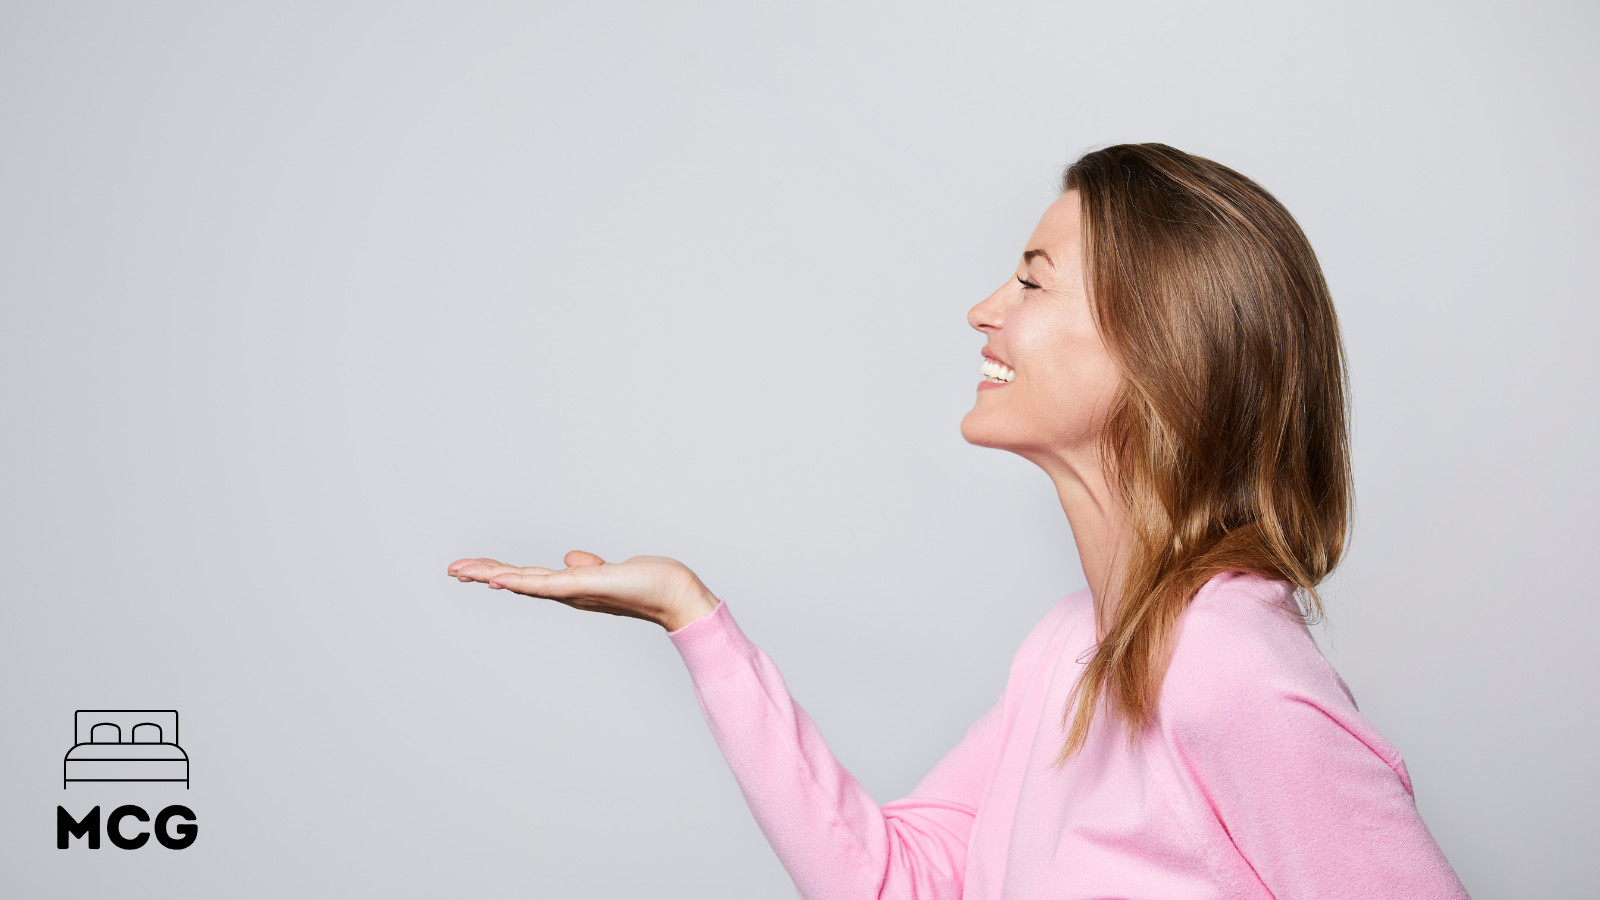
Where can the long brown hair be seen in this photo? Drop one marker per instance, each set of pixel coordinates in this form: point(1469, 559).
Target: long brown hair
point(1227, 441)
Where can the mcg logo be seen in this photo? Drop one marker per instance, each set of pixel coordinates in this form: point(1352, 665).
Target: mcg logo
point(126, 745)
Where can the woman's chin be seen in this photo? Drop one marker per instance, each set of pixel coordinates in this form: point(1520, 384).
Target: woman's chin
point(979, 436)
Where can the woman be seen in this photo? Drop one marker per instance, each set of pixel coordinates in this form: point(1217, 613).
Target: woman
point(1168, 353)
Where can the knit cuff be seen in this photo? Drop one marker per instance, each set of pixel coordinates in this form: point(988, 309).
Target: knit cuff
point(712, 645)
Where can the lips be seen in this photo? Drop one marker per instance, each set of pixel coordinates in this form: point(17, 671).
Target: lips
point(996, 357)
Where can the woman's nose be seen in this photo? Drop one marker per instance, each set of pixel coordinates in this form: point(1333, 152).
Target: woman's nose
point(988, 311)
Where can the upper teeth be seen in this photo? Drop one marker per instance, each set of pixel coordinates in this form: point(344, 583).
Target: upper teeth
point(996, 371)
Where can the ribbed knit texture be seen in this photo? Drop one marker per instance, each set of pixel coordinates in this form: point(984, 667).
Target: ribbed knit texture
point(1259, 778)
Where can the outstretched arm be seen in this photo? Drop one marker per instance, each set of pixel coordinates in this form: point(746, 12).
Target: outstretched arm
point(829, 832)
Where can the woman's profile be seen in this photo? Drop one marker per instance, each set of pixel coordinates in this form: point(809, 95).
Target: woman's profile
point(1167, 352)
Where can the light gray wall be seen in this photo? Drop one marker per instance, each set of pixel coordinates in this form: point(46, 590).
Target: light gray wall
point(303, 302)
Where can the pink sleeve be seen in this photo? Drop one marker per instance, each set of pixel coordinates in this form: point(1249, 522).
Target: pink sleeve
point(826, 829)
point(1316, 800)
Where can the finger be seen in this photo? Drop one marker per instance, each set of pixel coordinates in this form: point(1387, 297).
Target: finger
point(483, 569)
point(562, 585)
point(456, 567)
point(582, 558)
point(476, 569)
point(496, 578)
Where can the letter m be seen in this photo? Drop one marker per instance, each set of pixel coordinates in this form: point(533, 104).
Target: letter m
point(68, 828)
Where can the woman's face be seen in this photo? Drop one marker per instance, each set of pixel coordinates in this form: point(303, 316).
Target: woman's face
point(1064, 377)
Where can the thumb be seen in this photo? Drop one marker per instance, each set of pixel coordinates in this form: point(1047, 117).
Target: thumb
point(581, 558)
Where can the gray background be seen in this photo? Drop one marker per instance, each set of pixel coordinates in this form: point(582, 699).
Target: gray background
point(303, 302)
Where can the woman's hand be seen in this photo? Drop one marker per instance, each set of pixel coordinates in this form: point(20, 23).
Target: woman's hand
point(655, 588)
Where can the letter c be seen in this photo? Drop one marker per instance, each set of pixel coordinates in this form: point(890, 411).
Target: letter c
point(115, 833)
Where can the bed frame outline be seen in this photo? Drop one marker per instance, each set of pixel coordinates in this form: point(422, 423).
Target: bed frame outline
point(79, 732)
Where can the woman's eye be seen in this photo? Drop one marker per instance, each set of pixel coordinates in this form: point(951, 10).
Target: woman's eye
point(1026, 284)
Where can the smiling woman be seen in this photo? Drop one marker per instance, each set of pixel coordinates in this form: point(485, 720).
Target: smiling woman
point(1167, 351)
point(1181, 378)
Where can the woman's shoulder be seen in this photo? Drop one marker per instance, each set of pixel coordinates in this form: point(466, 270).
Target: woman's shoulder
point(1242, 643)
point(1247, 613)
point(1246, 678)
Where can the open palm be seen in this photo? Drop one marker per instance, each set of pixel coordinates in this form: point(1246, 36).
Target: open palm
point(655, 588)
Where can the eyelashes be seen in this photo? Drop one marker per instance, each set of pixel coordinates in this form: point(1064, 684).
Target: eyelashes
point(1026, 284)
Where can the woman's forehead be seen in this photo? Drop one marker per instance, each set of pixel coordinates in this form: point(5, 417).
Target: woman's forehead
point(1057, 234)
point(1058, 226)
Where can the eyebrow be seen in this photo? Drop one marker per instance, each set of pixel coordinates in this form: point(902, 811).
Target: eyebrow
point(1028, 256)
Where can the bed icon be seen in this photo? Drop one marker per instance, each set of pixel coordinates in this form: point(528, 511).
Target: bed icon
point(126, 745)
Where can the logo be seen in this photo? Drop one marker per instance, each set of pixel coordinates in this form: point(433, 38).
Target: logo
point(126, 745)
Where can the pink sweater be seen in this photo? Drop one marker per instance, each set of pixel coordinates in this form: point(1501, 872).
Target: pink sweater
point(1259, 779)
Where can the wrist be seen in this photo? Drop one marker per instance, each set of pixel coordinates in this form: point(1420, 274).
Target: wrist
point(702, 604)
